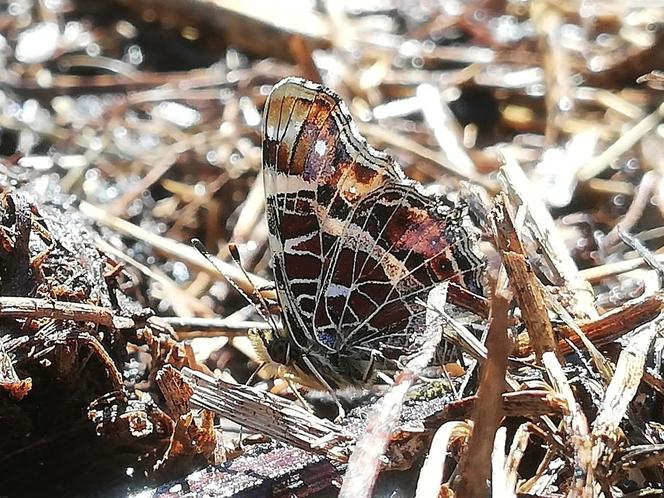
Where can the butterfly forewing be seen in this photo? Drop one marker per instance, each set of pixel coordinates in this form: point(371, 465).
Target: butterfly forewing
point(356, 246)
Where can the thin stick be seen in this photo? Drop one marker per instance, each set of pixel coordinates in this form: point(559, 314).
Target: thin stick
point(174, 249)
point(625, 142)
point(598, 273)
point(27, 307)
point(488, 409)
point(191, 327)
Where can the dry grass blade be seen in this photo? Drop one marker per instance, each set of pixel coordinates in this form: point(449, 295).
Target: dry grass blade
point(365, 463)
point(640, 202)
point(598, 273)
point(455, 333)
point(189, 328)
point(576, 426)
point(559, 264)
point(380, 134)
point(628, 375)
point(176, 249)
point(445, 129)
point(627, 140)
point(599, 361)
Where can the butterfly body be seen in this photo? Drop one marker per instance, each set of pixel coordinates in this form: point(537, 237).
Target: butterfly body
point(356, 246)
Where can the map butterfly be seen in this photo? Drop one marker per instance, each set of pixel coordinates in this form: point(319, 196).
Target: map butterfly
point(356, 246)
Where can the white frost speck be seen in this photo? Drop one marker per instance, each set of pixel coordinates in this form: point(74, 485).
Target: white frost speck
point(178, 114)
point(320, 147)
point(38, 43)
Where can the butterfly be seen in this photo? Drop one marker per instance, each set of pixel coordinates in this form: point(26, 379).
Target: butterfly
point(356, 246)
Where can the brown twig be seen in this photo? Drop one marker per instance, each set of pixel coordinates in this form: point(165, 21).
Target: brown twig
point(487, 414)
point(26, 307)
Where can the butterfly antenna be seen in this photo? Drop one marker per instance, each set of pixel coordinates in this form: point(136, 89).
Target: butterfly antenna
point(256, 299)
point(255, 293)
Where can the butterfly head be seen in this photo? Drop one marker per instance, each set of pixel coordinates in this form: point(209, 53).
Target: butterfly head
point(270, 347)
point(281, 358)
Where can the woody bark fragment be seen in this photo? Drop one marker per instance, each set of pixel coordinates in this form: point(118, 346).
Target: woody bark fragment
point(268, 414)
point(526, 287)
point(529, 404)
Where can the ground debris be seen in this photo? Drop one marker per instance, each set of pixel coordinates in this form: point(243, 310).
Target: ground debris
point(127, 360)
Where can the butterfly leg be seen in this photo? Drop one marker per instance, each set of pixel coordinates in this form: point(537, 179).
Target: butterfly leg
point(299, 397)
point(341, 413)
point(369, 370)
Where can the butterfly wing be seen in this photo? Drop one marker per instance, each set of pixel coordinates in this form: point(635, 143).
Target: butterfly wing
point(396, 246)
point(355, 244)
